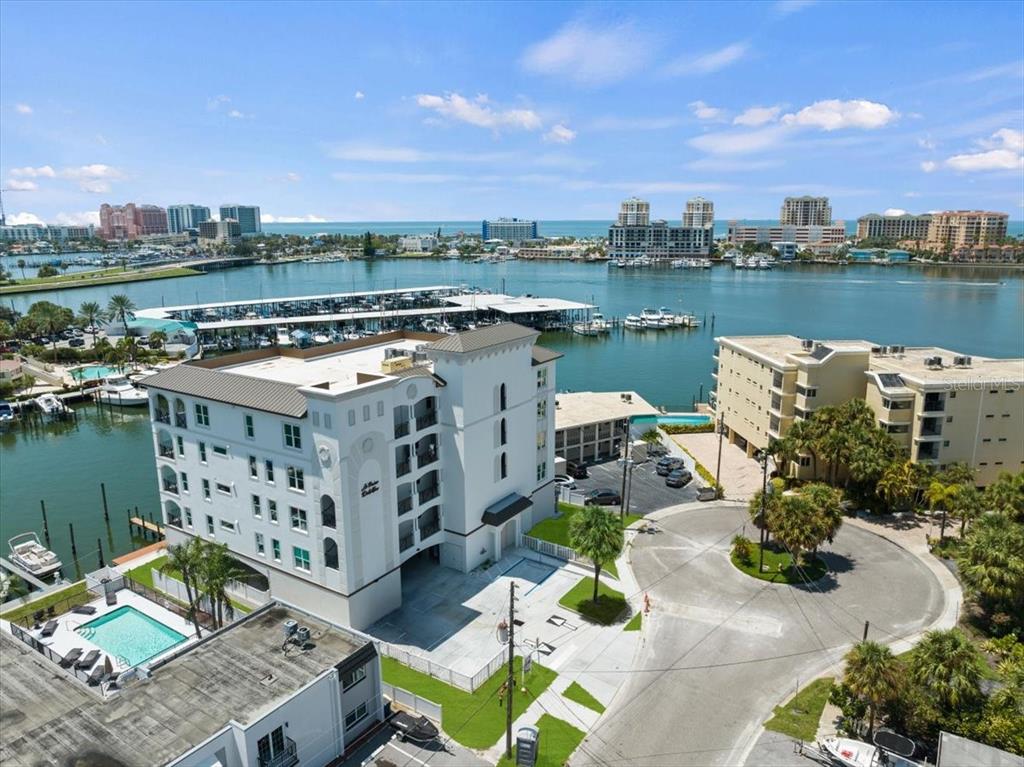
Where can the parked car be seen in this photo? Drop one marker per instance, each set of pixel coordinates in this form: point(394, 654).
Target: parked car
point(656, 449)
point(564, 480)
point(667, 465)
point(679, 478)
point(603, 496)
point(706, 494)
point(576, 470)
point(76, 342)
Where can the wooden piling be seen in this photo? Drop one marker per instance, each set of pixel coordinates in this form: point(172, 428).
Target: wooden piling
point(46, 524)
point(106, 512)
point(74, 548)
point(99, 547)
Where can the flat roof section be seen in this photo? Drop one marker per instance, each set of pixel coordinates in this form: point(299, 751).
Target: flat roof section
point(910, 365)
point(778, 349)
point(240, 674)
point(512, 305)
point(587, 407)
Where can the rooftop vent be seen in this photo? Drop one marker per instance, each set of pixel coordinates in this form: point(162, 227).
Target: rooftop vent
point(807, 344)
point(933, 362)
point(962, 361)
point(626, 397)
point(878, 350)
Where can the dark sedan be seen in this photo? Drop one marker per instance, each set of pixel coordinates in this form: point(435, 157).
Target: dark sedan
point(603, 496)
point(679, 478)
point(667, 465)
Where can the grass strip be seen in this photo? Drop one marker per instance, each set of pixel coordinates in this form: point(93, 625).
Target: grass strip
point(558, 740)
point(576, 692)
point(800, 716)
point(609, 606)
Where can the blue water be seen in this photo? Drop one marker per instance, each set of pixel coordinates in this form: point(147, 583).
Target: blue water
point(687, 419)
point(130, 635)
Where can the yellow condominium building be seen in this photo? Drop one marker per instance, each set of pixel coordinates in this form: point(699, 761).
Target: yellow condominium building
point(963, 228)
point(941, 406)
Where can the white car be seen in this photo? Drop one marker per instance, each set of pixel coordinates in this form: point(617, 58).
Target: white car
point(564, 480)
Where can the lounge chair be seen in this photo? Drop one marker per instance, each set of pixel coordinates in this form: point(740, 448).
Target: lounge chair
point(49, 628)
point(87, 661)
point(68, 660)
point(84, 610)
point(111, 597)
point(37, 617)
point(51, 611)
point(97, 675)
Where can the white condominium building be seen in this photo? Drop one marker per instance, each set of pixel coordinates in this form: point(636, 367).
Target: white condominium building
point(822, 240)
point(902, 227)
point(699, 212)
point(634, 212)
point(805, 211)
point(941, 407)
point(329, 468)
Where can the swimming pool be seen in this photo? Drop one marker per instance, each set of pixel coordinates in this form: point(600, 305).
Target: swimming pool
point(92, 372)
point(675, 419)
point(129, 635)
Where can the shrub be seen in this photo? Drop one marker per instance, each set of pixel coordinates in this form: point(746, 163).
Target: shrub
point(688, 428)
point(741, 550)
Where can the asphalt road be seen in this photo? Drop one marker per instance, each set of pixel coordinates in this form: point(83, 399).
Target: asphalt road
point(648, 491)
point(721, 649)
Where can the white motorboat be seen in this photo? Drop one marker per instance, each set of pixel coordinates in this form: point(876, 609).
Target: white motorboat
point(765, 263)
point(51, 406)
point(599, 323)
point(7, 415)
point(32, 556)
point(634, 322)
point(855, 753)
point(118, 390)
point(584, 329)
point(653, 318)
point(321, 338)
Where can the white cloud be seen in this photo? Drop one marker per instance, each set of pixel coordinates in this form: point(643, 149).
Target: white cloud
point(728, 165)
point(928, 166)
point(894, 212)
point(708, 62)
point(478, 112)
point(359, 95)
point(1003, 150)
point(755, 116)
point(236, 114)
point(23, 109)
point(83, 218)
point(911, 194)
point(23, 219)
point(560, 134)
point(43, 171)
point(833, 114)
point(216, 102)
point(591, 55)
point(705, 111)
point(786, 7)
point(927, 143)
point(17, 185)
point(744, 142)
point(1005, 138)
point(309, 218)
point(94, 178)
point(293, 177)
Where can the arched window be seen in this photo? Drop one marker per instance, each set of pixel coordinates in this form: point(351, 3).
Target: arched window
point(161, 409)
point(179, 414)
point(172, 514)
point(504, 465)
point(330, 554)
point(503, 397)
point(504, 431)
point(328, 517)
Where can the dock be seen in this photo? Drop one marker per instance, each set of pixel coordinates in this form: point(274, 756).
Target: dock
point(145, 526)
point(25, 575)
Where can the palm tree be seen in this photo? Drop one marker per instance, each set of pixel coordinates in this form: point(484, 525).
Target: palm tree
point(967, 506)
point(899, 484)
point(121, 308)
point(51, 319)
point(802, 436)
point(941, 496)
point(597, 535)
point(90, 313)
point(184, 559)
point(827, 503)
point(872, 674)
point(130, 346)
point(1006, 495)
point(21, 265)
point(217, 568)
point(991, 562)
point(157, 339)
point(948, 667)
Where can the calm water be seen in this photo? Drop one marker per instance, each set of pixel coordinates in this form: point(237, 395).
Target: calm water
point(977, 311)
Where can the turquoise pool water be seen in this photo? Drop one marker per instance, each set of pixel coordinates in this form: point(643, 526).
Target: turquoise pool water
point(92, 372)
point(130, 635)
point(681, 419)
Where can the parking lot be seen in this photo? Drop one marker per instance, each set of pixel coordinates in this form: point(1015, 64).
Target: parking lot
point(385, 750)
point(648, 491)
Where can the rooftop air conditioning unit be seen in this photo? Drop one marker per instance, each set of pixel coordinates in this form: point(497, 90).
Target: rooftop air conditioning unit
point(878, 350)
point(627, 397)
point(933, 362)
point(898, 349)
point(302, 635)
point(967, 362)
point(290, 627)
point(807, 344)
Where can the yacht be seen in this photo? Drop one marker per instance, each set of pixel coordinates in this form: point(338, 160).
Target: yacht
point(118, 390)
point(584, 329)
point(283, 339)
point(652, 318)
point(32, 556)
point(599, 323)
point(7, 415)
point(635, 322)
point(765, 263)
point(51, 406)
point(669, 318)
point(321, 338)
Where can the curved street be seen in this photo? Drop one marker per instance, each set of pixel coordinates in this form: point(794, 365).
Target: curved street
point(721, 649)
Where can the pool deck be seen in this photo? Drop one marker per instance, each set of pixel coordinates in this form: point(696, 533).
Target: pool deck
point(584, 408)
point(66, 638)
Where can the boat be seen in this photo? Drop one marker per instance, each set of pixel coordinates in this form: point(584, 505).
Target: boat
point(584, 329)
point(855, 753)
point(321, 338)
point(51, 406)
point(652, 318)
point(283, 339)
point(118, 390)
point(7, 414)
point(634, 322)
point(599, 323)
point(32, 556)
point(765, 263)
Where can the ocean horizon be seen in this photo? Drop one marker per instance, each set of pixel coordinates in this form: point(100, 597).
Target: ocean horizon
point(553, 228)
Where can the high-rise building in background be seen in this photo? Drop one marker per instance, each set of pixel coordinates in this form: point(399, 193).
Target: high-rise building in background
point(226, 230)
point(965, 228)
point(131, 221)
point(820, 240)
point(805, 211)
point(634, 212)
point(699, 212)
point(905, 226)
point(513, 230)
point(247, 216)
point(181, 218)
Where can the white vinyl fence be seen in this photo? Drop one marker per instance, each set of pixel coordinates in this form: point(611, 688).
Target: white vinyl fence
point(239, 591)
point(413, 702)
point(466, 682)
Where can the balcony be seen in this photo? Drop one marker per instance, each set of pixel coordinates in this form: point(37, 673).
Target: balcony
point(404, 505)
point(429, 530)
point(402, 468)
point(286, 757)
point(165, 451)
point(402, 429)
point(931, 427)
point(934, 403)
point(169, 487)
point(426, 457)
point(405, 542)
point(180, 421)
point(429, 493)
point(427, 420)
point(162, 416)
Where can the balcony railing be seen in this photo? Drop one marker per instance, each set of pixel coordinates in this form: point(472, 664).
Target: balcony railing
point(174, 520)
point(405, 542)
point(288, 757)
point(403, 467)
point(931, 430)
point(180, 421)
point(426, 421)
point(429, 530)
point(401, 429)
point(404, 505)
point(426, 457)
point(165, 451)
point(162, 416)
point(936, 405)
point(170, 487)
point(429, 494)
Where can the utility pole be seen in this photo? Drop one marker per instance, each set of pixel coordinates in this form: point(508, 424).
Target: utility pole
point(718, 467)
point(510, 683)
point(764, 498)
point(625, 470)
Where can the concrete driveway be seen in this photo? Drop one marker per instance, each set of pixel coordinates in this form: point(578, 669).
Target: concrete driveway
point(721, 649)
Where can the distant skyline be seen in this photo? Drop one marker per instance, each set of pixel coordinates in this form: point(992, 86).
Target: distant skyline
point(377, 112)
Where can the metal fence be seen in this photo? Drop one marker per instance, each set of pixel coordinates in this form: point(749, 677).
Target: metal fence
point(52, 610)
point(205, 620)
point(413, 702)
point(82, 675)
point(466, 682)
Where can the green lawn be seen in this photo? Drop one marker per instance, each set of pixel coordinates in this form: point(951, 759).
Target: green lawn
point(75, 594)
point(634, 623)
point(577, 693)
point(556, 530)
point(609, 606)
point(799, 718)
point(558, 740)
point(144, 573)
point(476, 720)
point(778, 566)
point(88, 279)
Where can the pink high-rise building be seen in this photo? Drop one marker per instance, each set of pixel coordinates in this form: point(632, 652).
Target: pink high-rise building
point(127, 222)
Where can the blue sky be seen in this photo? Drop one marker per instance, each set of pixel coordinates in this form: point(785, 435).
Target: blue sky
point(393, 111)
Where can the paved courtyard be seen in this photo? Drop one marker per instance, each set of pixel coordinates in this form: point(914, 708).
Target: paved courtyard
point(741, 476)
point(720, 648)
